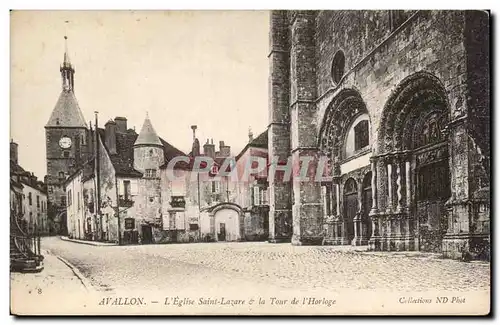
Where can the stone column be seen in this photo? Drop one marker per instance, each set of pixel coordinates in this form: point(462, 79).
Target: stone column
point(408, 183)
point(458, 238)
point(280, 192)
point(359, 233)
point(307, 210)
point(374, 186)
point(374, 242)
point(390, 195)
point(409, 237)
point(399, 192)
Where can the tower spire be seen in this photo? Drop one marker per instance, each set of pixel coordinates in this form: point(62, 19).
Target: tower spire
point(66, 55)
point(67, 70)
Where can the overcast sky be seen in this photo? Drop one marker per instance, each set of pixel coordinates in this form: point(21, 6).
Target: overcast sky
point(207, 68)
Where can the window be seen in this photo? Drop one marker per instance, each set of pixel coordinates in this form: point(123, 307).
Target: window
point(338, 66)
point(151, 152)
point(259, 196)
point(38, 201)
point(177, 202)
point(69, 198)
point(129, 223)
point(78, 200)
point(263, 197)
point(151, 199)
point(150, 173)
point(361, 135)
point(358, 136)
point(30, 199)
point(61, 175)
point(66, 154)
point(126, 190)
point(215, 187)
point(193, 226)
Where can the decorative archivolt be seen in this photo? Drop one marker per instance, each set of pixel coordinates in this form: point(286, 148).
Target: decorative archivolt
point(338, 117)
point(419, 95)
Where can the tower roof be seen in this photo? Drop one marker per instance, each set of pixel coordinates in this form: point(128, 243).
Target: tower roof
point(67, 112)
point(148, 135)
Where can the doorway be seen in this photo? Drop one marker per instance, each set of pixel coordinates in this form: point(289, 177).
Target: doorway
point(350, 207)
point(147, 234)
point(367, 205)
point(222, 232)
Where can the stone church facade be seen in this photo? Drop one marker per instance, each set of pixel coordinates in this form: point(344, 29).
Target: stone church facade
point(399, 103)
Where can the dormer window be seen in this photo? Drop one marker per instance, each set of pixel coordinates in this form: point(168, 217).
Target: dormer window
point(150, 173)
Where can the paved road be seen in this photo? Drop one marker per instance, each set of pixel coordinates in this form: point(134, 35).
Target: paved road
point(266, 266)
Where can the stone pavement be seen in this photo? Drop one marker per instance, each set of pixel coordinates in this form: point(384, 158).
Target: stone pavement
point(152, 273)
point(57, 288)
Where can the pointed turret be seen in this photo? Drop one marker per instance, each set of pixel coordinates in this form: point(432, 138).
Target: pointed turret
point(147, 136)
point(148, 151)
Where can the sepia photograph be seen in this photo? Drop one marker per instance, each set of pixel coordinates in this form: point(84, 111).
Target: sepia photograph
point(250, 162)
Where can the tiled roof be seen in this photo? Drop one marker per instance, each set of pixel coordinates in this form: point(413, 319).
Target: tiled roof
point(66, 112)
point(259, 142)
point(25, 177)
point(123, 160)
point(148, 134)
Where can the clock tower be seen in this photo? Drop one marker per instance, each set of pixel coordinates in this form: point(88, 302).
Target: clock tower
point(66, 137)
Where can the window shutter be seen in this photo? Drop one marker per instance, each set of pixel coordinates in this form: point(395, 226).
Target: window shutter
point(133, 187)
point(120, 187)
point(256, 195)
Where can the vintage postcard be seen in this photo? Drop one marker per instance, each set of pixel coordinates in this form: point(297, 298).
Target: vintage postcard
point(282, 162)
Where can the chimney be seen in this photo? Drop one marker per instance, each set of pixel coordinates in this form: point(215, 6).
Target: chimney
point(250, 135)
point(121, 124)
point(14, 151)
point(195, 149)
point(194, 127)
point(209, 149)
point(110, 136)
point(225, 151)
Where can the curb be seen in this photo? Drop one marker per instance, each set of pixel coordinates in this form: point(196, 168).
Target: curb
point(87, 242)
point(86, 283)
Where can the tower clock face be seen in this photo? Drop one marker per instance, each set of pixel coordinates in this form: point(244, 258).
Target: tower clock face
point(65, 142)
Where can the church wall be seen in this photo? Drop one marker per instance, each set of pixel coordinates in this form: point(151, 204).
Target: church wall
point(425, 42)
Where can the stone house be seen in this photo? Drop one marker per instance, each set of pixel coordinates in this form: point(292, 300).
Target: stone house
point(34, 196)
point(252, 191)
point(399, 103)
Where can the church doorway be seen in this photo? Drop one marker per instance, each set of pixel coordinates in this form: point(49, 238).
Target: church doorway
point(367, 204)
point(350, 207)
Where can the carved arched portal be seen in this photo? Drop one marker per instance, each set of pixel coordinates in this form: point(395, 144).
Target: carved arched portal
point(413, 166)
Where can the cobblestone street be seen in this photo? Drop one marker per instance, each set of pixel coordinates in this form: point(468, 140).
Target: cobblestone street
point(282, 265)
point(155, 274)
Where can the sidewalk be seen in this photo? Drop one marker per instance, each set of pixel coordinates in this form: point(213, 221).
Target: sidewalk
point(87, 242)
point(59, 288)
